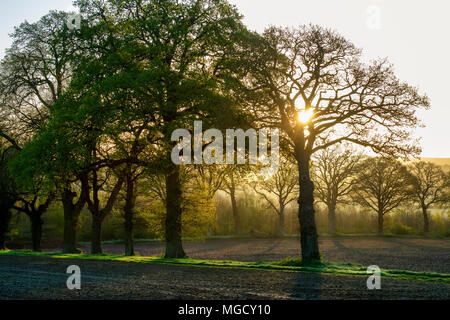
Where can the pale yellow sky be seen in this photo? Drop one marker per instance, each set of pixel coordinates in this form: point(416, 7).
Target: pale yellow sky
point(412, 34)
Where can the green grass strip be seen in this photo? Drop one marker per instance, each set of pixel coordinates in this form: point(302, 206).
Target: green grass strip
point(287, 265)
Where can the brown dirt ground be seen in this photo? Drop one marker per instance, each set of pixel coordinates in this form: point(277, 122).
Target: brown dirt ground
point(26, 278)
point(387, 253)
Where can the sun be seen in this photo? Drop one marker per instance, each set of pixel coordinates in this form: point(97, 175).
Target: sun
point(305, 116)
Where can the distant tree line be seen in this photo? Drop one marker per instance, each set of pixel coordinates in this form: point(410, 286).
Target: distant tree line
point(378, 183)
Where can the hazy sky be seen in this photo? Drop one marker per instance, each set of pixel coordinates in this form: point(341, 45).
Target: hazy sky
point(412, 34)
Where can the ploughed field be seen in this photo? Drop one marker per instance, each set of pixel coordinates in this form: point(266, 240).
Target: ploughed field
point(45, 278)
point(387, 253)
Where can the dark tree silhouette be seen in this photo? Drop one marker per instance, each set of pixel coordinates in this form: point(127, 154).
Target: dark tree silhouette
point(181, 46)
point(430, 184)
point(35, 73)
point(129, 208)
point(93, 186)
point(234, 180)
point(312, 83)
point(35, 210)
point(72, 210)
point(231, 187)
point(283, 186)
point(8, 194)
point(133, 152)
point(382, 184)
point(332, 173)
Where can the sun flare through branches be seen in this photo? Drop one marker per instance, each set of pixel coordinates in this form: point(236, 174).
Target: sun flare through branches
point(305, 116)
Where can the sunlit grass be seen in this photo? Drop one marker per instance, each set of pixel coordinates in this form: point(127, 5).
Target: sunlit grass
point(287, 265)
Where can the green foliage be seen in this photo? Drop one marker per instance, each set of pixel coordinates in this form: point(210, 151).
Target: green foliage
point(147, 225)
point(258, 221)
point(198, 214)
point(440, 222)
point(401, 229)
point(140, 69)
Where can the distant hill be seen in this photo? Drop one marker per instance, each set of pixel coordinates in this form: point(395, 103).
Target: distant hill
point(443, 162)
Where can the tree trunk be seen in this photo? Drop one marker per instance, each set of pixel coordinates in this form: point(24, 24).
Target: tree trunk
point(71, 216)
point(426, 221)
point(36, 231)
point(98, 215)
point(281, 221)
point(2, 240)
point(174, 245)
point(129, 214)
point(236, 217)
point(129, 241)
point(380, 223)
point(96, 236)
point(70, 232)
point(331, 219)
point(5, 218)
point(308, 231)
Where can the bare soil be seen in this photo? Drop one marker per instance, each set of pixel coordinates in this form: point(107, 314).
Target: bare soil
point(42, 278)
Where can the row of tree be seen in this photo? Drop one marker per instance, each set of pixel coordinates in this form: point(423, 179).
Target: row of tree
point(91, 111)
point(344, 176)
point(379, 183)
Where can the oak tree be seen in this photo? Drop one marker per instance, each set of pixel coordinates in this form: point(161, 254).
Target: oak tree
point(312, 83)
point(430, 184)
point(332, 172)
point(382, 184)
point(279, 190)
